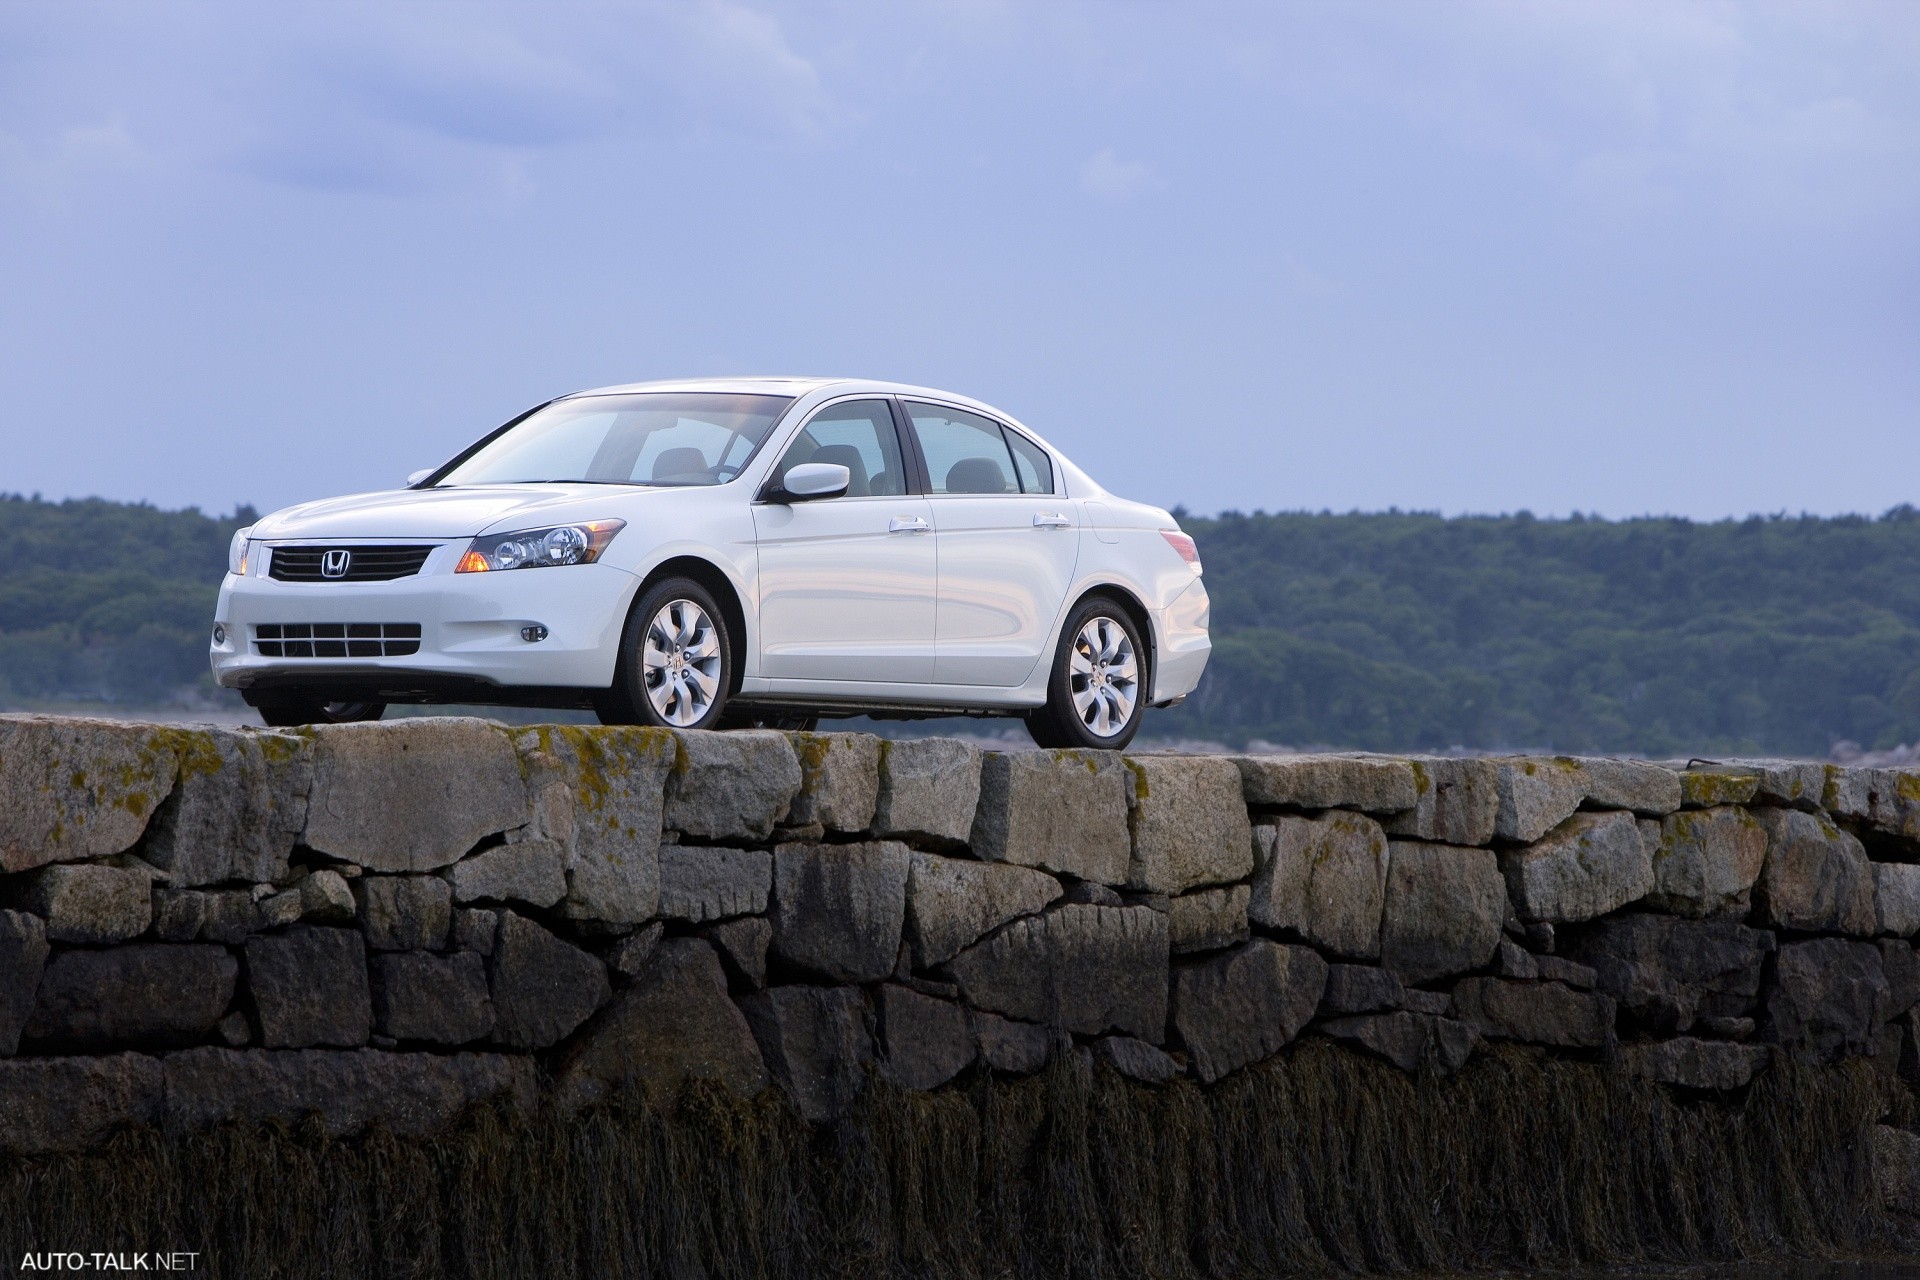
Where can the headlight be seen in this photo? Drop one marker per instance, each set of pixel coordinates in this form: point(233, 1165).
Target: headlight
point(237, 552)
point(540, 548)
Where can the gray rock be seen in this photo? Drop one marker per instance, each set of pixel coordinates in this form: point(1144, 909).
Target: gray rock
point(76, 1104)
point(309, 988)
point(412, 795)
point(530, 871)
point(1901, 965)
point(230, 915)
point(1723, 1028)
point(1827, 1000)
point(1359, 988)
point(839, 780)
point(474, 929)
point(279, 909)
point(1188, 823)
point(1648, 789)
point(925, 1042)
point(1706, 861)
point(78, 789)
point(1085, 968)
point(732, 786)
point(954, 902)
point(90, 903)
point(1559, 969)
point(234, 1031)
point(1895, 1163)
point(147, 994)
point(929, 791)
point(325, 898)
point(1548, 1013)
point(1666, 973)
point(1329, 782)
point(1694, 1064)
point(1896, 898)
point(1796, 783)
point(839, 909)
point(1589, 865)
point(1208, 920)
point(1009, 1047)
point(601, 794)
point(1888, 799)
point(1511, 961)
point(1063, 811)
point(743, 946)
point(1707, 788)
point(627, 956)
point(699, 883)
point(1246, 1005)
point(816, 1045)
point(1444, 908)
point(349, 1091)
point(1816, 879)
point(542, 987)
point(1536, 795)
point(237, 810)
point(1324, 878)
point(1459, 801)
point(404, 913)
point(1135, 1059)
point(178, 915)
point(23, 955)
point(1435, 1003)
point(419, 996)
point(674, 1023)
point(1410, 1041)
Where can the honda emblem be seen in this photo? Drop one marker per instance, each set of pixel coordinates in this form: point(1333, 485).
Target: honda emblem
point(335, 562)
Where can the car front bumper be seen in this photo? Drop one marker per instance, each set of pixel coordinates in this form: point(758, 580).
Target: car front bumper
point(470, 628)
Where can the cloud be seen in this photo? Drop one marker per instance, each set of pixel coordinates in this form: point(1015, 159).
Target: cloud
point(1108, 177)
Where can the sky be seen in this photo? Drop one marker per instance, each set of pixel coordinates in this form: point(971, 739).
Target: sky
point(1605, 256)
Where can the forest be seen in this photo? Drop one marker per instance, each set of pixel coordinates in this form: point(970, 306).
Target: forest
point(1389, 631)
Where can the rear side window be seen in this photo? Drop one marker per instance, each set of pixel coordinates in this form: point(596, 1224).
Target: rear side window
point(965, 452)
point(1031, 462)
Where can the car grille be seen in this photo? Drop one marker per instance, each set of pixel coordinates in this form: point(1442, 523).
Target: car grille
point(337, 639)
point(364, 564)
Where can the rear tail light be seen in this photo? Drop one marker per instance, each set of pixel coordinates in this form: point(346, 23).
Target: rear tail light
point(1184, 545)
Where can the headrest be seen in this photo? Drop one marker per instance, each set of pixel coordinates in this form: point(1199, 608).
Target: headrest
point(675, 464)
point(849, 457)
point(976, 475)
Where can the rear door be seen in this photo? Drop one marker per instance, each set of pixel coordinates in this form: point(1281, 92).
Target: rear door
point(847, 584)
point(1007, 545)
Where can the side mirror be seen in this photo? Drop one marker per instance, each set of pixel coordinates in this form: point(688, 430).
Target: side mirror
point(417, 476)
point(811, 480)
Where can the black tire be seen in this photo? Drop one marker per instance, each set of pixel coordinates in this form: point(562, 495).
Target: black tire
point(288, 708)
point(1063, 722)
point(706, 659)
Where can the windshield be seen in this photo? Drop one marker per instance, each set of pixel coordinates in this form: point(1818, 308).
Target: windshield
point(652, 438)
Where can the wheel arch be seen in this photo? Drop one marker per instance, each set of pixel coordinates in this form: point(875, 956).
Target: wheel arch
point(725, 594)
point(1136, 612)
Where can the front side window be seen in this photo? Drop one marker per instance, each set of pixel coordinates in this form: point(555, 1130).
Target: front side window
point(965, 452)
point(857, 435)
point(646, 438)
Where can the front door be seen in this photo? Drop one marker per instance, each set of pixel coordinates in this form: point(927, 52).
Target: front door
point(1008, 546)
point(847, 584)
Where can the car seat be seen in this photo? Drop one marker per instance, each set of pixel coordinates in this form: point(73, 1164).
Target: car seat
point(976, 475)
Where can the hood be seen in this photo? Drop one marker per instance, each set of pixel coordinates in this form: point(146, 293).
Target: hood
point(429, 513)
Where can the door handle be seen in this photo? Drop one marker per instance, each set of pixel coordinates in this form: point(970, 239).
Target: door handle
point(1050, 520)
point(907, 524)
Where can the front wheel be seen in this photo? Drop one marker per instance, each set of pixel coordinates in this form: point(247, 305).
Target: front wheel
point(675, 664)
point(288, 708)
point(1097, 692)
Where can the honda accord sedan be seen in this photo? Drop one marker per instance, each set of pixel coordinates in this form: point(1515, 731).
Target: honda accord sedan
point(724, 553)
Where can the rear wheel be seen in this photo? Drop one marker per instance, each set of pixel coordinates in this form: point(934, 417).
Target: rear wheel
point(1097, 692)
point(675, 665)
point(286, 708)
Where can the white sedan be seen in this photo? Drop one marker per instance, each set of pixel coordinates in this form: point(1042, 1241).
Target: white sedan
point(750, 551)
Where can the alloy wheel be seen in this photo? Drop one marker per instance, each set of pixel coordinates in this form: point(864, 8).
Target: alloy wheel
point(1104, 677)
point(680, 662)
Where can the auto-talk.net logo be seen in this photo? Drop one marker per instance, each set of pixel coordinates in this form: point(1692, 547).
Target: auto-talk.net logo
point(175, 1260)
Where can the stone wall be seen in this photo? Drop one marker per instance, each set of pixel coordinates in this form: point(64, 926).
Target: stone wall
point(378, 926)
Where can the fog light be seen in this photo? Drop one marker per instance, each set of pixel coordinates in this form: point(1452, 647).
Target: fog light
point(533, 634)
point(219, 634)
